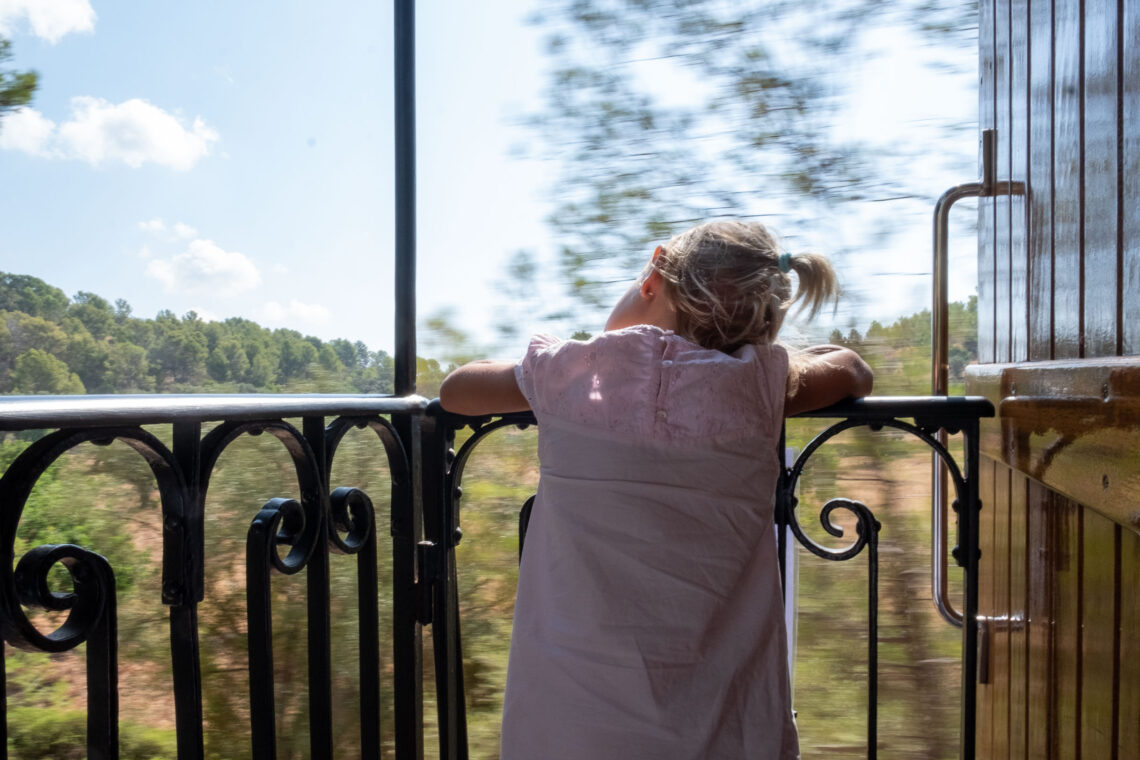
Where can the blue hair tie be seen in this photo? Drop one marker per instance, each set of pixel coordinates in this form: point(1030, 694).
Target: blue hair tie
point(785, 262)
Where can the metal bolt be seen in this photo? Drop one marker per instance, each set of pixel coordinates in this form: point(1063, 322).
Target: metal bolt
point(1104, 482)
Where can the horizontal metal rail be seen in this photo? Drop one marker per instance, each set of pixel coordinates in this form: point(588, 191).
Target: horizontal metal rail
point(41, 412)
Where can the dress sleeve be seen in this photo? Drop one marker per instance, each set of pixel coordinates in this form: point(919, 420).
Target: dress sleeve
point(529, 370)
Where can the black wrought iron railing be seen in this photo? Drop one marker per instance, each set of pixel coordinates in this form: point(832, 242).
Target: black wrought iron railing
point(304, 534)
point(923, 418)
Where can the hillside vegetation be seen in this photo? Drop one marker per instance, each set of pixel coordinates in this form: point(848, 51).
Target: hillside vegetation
point(104, 498)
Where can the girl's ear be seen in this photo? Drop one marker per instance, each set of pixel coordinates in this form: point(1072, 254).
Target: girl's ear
point(653, 283)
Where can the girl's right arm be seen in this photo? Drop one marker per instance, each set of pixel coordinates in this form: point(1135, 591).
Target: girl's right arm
point(823, 375)
point(481, 388)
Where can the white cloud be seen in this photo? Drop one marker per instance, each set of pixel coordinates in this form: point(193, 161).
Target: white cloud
point(134, 132)
point(184, 231)
point(27, 131)
point(205, 268)
point(49, 19)
point(295, 311)
point(154, 225)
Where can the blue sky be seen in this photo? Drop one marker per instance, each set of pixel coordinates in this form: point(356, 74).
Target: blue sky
point(235, 158)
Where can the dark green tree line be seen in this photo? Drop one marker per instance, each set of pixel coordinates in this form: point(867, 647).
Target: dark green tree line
point(56, 345)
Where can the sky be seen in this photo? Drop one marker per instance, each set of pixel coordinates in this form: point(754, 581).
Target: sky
point(236, 159)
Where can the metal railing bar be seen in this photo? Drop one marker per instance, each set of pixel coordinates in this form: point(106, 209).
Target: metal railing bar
point(405, 138)
point(38, 412)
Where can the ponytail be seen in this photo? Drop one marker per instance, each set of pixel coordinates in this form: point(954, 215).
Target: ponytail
point(817, 282)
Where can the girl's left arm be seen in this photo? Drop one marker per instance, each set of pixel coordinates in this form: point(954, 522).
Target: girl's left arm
point(824, 375)
point(483, 387)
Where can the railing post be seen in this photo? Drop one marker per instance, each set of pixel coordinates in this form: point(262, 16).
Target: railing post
point(441, 529)
point(317, 579)
point(407, 639)
point(405, 358)
point(188, 535)
point(967, 555)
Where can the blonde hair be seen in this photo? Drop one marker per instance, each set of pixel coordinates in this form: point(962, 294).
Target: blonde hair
point(725, 282)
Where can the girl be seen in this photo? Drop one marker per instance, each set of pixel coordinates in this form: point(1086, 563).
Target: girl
point(649, 620)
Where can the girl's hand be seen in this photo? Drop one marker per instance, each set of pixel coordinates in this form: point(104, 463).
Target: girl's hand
point(823, 375)
point(481, 388)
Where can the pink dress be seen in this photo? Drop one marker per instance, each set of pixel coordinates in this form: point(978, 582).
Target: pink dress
point(649, 621)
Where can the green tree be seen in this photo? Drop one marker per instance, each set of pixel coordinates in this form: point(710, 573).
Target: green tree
point(94, 312)
point(31, 295)
point(228, 361)
point(178, 354)
point(26, 331)
point(37, 371)
point(127, 369)
point(16, 87)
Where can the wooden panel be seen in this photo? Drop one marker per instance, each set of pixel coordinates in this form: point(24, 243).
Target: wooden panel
point(1073, 425)
point(986, 566)
point(1099, 204)
point(986, 241)
point(1128, 669)
point(1130, 191)
point(1040, 666)
point(1003, 280)
point(1018, 169)
point(1067, 179)
point(1040, 180)
point(1098, 639)
point(999, 674)
point(1018, 616)
point(1067, 627)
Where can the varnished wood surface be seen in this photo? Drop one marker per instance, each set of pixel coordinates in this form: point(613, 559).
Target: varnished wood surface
point(1039, 707)
point(1000, 619)
point(1100, 188)
point(1059, 607)
point(1098, 635)
point(987, 29)
point(1066, 627)
point(987, 568)
point(1018, 617)
point(1059, 347)
point(1073, 425)
point(1066, 189)
point(1130, 188)
point(1003, 279)
point(1018, 343)
point(1040, 180)
point(1128, 659)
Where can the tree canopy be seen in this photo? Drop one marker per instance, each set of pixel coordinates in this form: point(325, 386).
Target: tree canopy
point(16, 87)
point(52, 344)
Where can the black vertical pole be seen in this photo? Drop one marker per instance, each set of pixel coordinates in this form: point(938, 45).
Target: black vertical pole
point(968, 522)
point(407, 512)
point(405, 359)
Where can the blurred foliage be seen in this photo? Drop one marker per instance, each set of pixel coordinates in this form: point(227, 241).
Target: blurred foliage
point(660, 114)
point(16, 87)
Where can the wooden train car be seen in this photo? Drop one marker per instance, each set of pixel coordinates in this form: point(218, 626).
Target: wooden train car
point(1059, 346)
